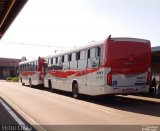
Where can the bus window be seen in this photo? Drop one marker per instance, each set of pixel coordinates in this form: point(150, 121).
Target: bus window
point(59, 60)
point(92, 52)
point(73, 57)
point(59, 64)
point(29, 66)
point(82, 62)
point(93, 57)
point(66, 62)
point(66, 58)
point(56, 60)
point(32, 66)
point(83, 55)
point(35, 65)
point(48, 61)
point(73, 63)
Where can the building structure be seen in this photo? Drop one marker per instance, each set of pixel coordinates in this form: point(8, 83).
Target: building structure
point(8, 67)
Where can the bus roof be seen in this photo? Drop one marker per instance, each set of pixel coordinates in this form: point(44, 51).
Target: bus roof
point(98, 43)
point(75, 49)
point(27, 61)
point(130, 39)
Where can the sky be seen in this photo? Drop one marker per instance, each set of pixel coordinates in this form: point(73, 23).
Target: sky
point(45, 27)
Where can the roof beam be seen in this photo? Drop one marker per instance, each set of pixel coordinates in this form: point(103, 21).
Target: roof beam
point(6, 11)
point(9, 9)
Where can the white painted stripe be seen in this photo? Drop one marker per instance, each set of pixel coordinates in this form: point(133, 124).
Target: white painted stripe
point(38, 126)
point(17, 119)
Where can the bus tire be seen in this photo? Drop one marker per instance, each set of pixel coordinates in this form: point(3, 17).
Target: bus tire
point(30, 83)
point(22, 82)
point(75, 90)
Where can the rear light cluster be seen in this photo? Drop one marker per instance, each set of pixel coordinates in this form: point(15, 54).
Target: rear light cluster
point(109, 78)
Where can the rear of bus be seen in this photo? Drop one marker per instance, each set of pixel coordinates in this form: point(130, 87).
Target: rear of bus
point(128, 63)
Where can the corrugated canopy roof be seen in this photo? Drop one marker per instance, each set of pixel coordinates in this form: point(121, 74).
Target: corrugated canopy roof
point(9, 9)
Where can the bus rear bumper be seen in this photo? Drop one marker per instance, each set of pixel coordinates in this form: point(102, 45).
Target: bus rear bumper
point(104, 90)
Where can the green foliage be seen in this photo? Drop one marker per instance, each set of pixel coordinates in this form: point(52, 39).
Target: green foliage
point(9, 78)
point(14, 79)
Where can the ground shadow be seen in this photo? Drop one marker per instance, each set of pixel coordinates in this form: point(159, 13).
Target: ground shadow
point(117, 102)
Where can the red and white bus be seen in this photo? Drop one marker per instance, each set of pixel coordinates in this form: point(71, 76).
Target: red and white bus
point(32, 72)
point(112, 66)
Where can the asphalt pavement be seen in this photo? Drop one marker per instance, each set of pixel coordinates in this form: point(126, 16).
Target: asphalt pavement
point(10, 120)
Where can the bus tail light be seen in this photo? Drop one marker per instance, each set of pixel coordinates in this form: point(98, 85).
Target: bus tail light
point(109, 79)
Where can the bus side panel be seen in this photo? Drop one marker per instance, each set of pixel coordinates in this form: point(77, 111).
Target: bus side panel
point(34, 76)
point(96, 82)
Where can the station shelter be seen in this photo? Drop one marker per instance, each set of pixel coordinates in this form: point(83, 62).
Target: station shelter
point(155, 64)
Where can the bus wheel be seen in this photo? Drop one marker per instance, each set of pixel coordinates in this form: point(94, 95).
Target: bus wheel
point(75, 91)
point(22, 82)
point(30, 83)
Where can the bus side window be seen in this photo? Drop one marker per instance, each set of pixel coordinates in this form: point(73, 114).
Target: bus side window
point(93, 57)
point(48, 61)
point(73, 62)
point(82, 61)
point(59, 64)
point(24, 67)
point(66, 62)
point(56, 60)
point(29, 67)
point(35, 67)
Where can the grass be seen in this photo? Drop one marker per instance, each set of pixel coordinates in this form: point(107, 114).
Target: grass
point(14, 79)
